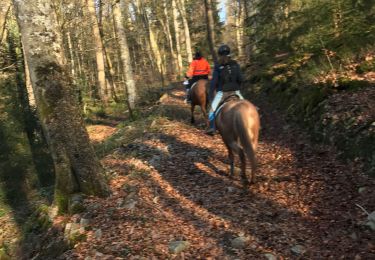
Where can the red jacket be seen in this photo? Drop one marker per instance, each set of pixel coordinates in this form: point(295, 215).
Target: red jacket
point(199, 67)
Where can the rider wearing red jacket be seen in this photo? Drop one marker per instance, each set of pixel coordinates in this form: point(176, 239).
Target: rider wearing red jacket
point(199, 69)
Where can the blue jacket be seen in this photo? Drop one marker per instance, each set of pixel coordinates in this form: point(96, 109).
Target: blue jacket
point(215, 82)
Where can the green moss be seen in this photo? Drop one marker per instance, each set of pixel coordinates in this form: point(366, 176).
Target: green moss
point(38, 221)
point(77, 237)
point(61, 201)
point(366, 66)
point(4, 255)
point(76, 207)
point(349, 84)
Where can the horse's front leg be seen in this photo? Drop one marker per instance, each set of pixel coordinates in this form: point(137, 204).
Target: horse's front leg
point(192, 114)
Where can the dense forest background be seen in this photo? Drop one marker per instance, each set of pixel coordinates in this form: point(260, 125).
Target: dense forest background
point(315, 60)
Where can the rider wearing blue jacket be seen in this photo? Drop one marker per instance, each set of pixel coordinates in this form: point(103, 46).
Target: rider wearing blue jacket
point(226, 77)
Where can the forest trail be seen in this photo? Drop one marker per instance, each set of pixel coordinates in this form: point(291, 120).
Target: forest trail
point(171, 184)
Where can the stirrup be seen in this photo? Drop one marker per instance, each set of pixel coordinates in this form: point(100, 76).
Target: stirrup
point(210, 131)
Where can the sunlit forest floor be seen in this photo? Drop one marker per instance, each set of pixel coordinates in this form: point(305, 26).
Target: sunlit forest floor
point(170, 184)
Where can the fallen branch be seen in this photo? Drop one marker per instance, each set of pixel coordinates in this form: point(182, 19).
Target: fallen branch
point(363, 209)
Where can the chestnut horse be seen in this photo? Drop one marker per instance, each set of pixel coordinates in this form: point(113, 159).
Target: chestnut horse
point(199, 97)
point(238, 123)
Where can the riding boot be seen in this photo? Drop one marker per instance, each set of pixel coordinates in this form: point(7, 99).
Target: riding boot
point(211, 130)
point(187, 99)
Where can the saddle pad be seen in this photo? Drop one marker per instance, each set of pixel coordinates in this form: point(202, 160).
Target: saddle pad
point(192, 86)
point(226, 99)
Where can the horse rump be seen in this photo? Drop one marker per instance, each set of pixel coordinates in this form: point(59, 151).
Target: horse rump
point(238, 124)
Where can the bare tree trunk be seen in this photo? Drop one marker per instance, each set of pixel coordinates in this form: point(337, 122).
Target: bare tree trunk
point(111, 77)
point(210, 28)
point(125, 56)
point(76, 165)
point(156, 51)
point(72, 63)
point(167, 31)
point(239, 28)
point(177, 36)
point(182, 8)
point(4, 9)
point(101, 83)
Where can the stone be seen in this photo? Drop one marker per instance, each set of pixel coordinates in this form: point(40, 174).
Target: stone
point(53, 212)
point(76, 207)
point(270, 256)
point(298, 250)
point(371, 217)
point(354, 236)
point(191, 154)
point(176, 247)
point(130, 204)
point(362, 189)
point(230, 189)
point(98, 233)
point(84, 222)
point(239, 242)
point(120, 202)
point(371, 221)
point(155, 161)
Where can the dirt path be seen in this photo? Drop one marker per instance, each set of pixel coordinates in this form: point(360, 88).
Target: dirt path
point(172, 184)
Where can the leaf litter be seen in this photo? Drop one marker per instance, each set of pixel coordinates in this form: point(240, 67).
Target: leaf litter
point(302, 206)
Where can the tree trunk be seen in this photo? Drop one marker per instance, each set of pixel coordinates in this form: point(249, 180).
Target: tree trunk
point(210, 28)
point(76, 166)
point(72, 63)
point(167, 31)
point(239, 28)
point(156, 52)
point(4, 9)
point(111, 77)
point(182, 8)
point(101, 83)
point(177, 35)
point(124, 52)
point(29, 87)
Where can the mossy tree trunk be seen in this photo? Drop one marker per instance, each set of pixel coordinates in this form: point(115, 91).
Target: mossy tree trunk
point(76, 165)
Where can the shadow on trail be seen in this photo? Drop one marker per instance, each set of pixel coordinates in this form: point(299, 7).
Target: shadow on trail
point(252, 213)
point(324, 188)
point(303, 195)
point(180, 113)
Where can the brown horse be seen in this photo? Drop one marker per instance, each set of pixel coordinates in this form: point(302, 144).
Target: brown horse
point(238, 123)
point(199, 97)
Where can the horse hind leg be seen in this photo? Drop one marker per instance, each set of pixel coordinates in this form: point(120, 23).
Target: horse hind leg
point(245, 181)
point(204, 112)
point(253, 168)
point(231, 162)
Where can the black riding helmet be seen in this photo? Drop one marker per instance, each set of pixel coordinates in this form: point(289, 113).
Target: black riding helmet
point(224, 50)
point(197, 55)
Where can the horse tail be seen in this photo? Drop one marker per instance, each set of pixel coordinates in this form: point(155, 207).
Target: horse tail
point(248, 136)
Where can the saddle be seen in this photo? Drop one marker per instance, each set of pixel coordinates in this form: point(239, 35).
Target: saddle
point(227, 96)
